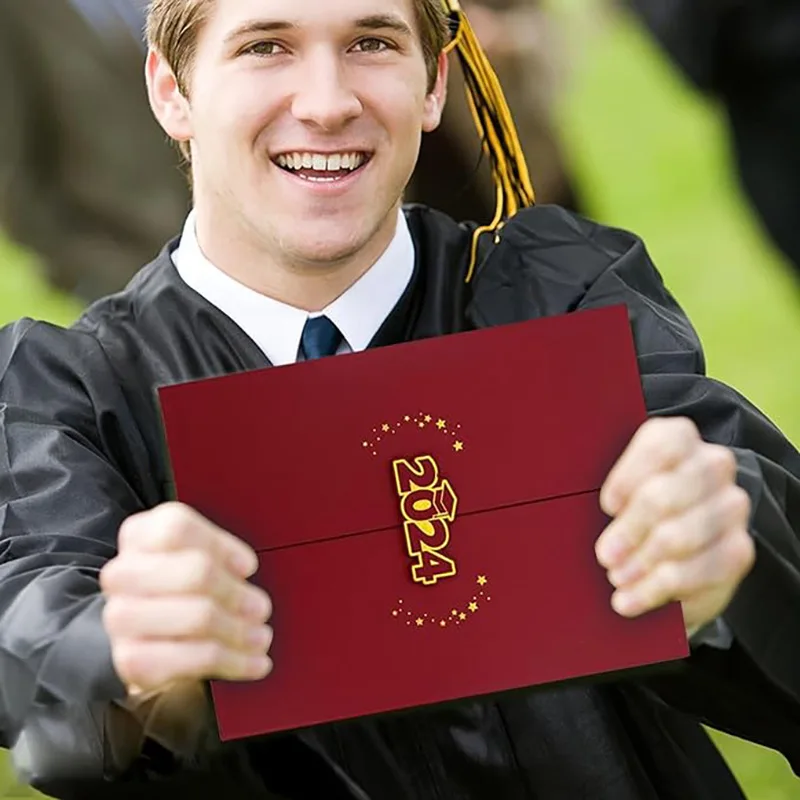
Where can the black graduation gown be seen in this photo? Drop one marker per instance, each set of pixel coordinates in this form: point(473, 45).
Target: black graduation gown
point(81, 448)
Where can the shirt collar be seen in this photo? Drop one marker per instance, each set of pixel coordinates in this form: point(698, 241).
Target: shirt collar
point(277, 327)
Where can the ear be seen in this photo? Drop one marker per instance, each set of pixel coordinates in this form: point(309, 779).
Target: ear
point(435, 100)
point(169, 106)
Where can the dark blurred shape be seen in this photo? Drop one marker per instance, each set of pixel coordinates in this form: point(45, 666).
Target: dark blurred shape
point(452, 175)
point(88, 180)
point(746, 54)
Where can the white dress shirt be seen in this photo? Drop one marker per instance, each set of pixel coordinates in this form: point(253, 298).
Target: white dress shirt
point(277, 327)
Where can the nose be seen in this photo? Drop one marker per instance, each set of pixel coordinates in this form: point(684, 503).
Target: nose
point(325, 97)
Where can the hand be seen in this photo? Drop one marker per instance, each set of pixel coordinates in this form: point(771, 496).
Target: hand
point(178, 605)
point(679, 531)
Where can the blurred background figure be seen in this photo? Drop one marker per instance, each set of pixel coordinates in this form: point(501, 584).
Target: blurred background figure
point(88, 181)
point(746, 55)
point(522, 43)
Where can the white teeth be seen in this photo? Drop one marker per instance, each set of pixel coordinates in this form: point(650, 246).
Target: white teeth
point(319, 162)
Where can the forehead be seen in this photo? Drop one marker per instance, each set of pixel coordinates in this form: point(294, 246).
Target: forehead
point(228, 15)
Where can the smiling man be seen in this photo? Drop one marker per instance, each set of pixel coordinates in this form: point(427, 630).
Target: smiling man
point(302, 122)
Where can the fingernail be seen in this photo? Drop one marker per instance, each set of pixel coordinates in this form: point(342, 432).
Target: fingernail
point(611, 553)
point(245, 564)
point(255, 605)
point(624, 603)
point(260, 667)
point(609, 503)
point(259, 638)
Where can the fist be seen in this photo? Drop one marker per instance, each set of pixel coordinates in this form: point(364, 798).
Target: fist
point(179, 606)
point(680, 527)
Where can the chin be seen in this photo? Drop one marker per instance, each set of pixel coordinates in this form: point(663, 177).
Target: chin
point(316, 242)
point(321, 251)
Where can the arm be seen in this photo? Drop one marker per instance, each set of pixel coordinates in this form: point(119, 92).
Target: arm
point(66, 447)
point(751, 689)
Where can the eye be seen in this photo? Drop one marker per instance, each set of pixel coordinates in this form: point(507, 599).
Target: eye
point(372, 45)
point(268, 48)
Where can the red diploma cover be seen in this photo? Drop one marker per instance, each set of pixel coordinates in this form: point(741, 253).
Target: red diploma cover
point(425, 516)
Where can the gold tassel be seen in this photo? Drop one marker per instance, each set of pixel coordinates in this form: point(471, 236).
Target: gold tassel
point(495, 126)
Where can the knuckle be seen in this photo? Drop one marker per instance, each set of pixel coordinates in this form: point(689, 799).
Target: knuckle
point(109, 576)
point(675, 433)
point(737, 502)
point(128, 661)
point(201, 571)
point(670, 578)
point(684, 430)
point(201, 620)
point(116, 614)
point(211, 657)
point(655, 497)
point(720, 461)
point(175, 522)
point(128, 531)
point(672, 538)
point(741, 553)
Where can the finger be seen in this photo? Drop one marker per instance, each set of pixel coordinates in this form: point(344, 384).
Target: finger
point(195, 618)
point(186, 572)
point(659, 445)
point(682, 537)
point(152, 664)
point(174, 526)
point(715, 572)
point(664, 496)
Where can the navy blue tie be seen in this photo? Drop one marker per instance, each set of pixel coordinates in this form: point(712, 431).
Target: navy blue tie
point(320, 338)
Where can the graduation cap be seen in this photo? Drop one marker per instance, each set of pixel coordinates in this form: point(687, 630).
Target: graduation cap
point(495, 126)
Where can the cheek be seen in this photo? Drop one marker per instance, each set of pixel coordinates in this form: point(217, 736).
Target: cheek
point(233, 114)
point(401, 111)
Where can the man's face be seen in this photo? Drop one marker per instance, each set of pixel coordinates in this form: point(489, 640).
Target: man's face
point(305, 119)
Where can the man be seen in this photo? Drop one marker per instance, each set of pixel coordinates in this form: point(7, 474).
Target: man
point(303, 123)
point(88, 181)
point(746, 54)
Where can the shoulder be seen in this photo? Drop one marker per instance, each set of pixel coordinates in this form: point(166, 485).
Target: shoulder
point(549, 261)
point(555, 257)
point(88, 353)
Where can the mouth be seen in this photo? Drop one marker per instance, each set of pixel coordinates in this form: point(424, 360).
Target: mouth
point(323, 167)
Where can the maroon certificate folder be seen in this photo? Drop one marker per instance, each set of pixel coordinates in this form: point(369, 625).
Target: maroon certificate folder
point(425, 516)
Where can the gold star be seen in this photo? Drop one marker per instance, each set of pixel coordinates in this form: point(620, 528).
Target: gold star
point(482, 580)
point(454, 613)
point(458, 447)
point(462, 616)
point(422, 424)
point(428, 418)
point(443, 624)
point(407, 418)
point(420, 622)
point(441, 424)
point(385, 428)
point(473, 607)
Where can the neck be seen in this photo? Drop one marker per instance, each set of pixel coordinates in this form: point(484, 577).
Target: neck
point(310, 286)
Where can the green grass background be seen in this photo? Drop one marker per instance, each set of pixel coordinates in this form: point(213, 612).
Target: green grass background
point(650, 156)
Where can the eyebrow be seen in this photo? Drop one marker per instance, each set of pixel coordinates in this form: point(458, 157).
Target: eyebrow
point(373, 22)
